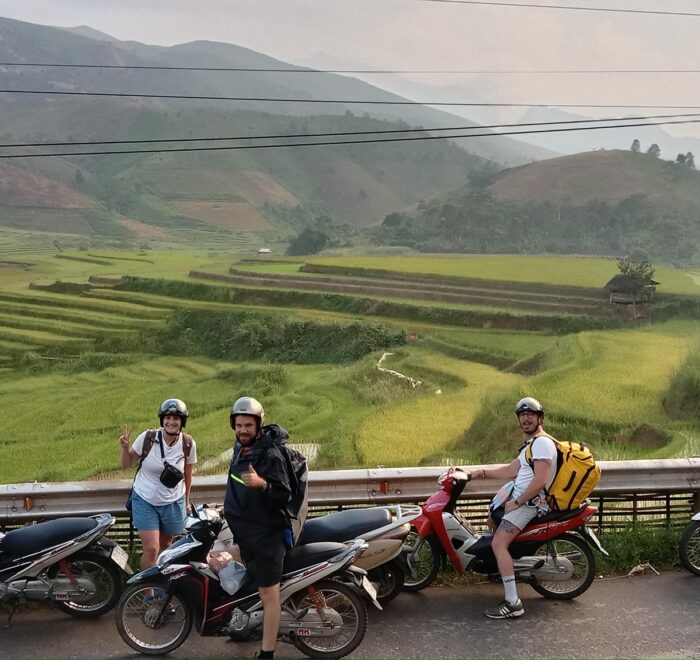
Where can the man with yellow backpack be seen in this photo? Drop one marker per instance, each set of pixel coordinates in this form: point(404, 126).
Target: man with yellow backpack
point(546, 475)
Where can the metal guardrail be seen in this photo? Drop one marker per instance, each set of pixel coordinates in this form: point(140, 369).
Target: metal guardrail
point(625, 487)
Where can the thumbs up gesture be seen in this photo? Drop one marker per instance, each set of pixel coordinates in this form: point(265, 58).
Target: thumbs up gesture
point(252, 479)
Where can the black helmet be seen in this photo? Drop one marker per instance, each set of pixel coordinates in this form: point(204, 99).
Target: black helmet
point(247, 405)
point(173, 407)
point(529, 404)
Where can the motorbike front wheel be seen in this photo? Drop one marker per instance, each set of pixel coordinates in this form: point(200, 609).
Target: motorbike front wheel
point(424, 561)
point(689, 547)
point(390, 578)
point(136, 619)
point(578, 553)
point(99, 570)
point(348, 604)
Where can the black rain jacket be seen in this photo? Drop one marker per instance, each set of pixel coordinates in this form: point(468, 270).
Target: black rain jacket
point(251, 513)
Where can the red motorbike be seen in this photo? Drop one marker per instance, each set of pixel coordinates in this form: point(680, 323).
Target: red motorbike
point(553, 553)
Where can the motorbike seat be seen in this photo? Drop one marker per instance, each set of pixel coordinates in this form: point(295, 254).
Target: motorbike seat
point(559, 515)
point(33, 538)
point(343, 525)
point(303, 556)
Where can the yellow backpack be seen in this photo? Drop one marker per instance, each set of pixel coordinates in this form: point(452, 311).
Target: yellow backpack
point(577, 474)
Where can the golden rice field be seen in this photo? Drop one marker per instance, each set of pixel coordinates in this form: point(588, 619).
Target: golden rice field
point(568, 271)
point(433, 422)
point(613, 376)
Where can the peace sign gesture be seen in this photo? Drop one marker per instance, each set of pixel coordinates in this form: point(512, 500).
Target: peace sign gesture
point(125, 437)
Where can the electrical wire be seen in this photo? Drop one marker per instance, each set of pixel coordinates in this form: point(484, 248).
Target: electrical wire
point(351, 101)
point(363, 71)
point(73, 143)
point(530, 5)
point(341, 142)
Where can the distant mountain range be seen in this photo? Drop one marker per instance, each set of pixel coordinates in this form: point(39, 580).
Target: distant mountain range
point(211, 193)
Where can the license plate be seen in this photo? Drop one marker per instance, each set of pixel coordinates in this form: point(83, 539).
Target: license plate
point(367, 586)
point(120, 557)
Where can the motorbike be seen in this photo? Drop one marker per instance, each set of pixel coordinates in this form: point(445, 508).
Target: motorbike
point(553, 553)
point(689, 546)
point(322, 617)
point(383, 528)
point(68, 561)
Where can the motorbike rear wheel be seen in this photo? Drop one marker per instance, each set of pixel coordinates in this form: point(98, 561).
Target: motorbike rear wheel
point(104, 574)
point(689, 547)
point(136, 614)
point(577, 551)
point(390, 578)
point(425, 558)
point(348, 603)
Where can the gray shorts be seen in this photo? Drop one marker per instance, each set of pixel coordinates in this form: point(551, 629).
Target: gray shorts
point(521, 516)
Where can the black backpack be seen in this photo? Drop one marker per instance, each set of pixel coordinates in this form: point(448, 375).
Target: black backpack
point(298, 472)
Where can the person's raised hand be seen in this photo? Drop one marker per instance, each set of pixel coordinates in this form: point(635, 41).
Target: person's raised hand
point(125, 437)
point(251, 478)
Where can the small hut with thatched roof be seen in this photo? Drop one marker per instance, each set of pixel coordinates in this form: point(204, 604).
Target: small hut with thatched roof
point(631, 290)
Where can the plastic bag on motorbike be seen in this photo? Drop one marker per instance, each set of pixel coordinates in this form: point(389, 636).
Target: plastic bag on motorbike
point(232, 576)
point(497, 505)
point(218, 561)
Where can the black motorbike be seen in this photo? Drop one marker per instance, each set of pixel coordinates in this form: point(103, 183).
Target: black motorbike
point(68, 561)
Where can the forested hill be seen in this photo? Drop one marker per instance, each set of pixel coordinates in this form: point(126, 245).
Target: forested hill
point(601, 202)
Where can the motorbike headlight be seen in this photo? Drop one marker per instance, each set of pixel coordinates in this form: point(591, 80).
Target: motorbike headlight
point(174, 551)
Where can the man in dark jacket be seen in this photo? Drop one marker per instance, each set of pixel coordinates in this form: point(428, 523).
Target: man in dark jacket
point(257, 491)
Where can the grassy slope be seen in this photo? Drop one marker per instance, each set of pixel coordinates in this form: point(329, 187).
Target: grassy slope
point(610, 175)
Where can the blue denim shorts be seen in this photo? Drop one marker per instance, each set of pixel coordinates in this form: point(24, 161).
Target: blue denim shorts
point(168, 519)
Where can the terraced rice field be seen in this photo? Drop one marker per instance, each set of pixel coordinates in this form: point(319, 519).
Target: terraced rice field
point(37, 322)
point(599, 382)
point(235, 216)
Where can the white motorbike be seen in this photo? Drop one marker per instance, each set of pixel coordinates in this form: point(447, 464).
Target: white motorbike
point(689, 546)
point(383, 528)
point(68, 561)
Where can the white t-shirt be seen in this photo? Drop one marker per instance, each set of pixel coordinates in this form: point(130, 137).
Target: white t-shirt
point(542, 448)
point(147, 482)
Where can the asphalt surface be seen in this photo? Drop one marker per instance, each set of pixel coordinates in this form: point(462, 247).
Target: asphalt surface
point(645, 616)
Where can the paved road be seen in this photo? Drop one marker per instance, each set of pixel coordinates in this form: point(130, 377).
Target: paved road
point(639, 617)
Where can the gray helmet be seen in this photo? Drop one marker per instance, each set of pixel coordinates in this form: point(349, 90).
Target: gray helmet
point(529, 404)
point(173, 407)
point(247, 405)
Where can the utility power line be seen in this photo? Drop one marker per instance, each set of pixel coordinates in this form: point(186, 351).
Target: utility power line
point(342, 142)
point(278, 136)
point(351, 101)
point(530, 5)
point(363, 71)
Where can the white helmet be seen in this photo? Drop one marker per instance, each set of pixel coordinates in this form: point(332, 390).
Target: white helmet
point(529, 404)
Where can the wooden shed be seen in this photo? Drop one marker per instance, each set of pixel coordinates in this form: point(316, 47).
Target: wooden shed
point(629, 290)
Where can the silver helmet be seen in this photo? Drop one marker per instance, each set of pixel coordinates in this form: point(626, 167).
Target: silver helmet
point(173, 407)
point(529, 404)
point(247, 405)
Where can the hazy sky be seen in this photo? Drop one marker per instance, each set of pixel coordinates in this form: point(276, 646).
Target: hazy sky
point(401, 34)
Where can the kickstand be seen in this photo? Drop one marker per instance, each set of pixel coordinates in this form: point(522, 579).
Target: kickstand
point(8, 625)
